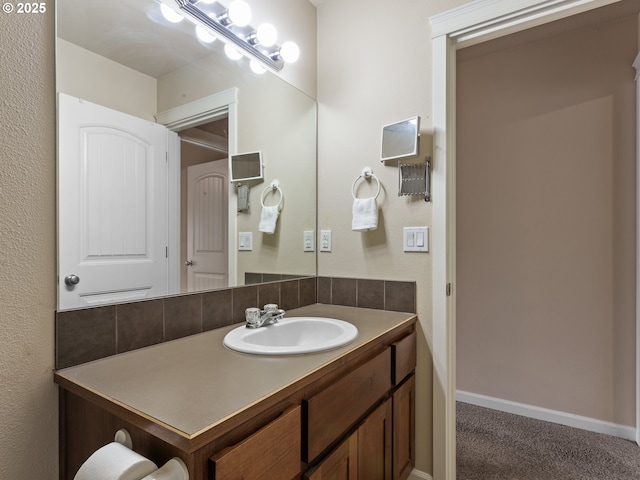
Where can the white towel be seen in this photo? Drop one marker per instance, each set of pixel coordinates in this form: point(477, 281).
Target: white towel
point(365, 214)
point(268, 219)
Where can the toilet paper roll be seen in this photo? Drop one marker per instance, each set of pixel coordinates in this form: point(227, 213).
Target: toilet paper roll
point(115, 462)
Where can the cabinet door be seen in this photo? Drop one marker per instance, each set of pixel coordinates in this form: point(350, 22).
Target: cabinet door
point(404, 429)
point(374, 444)
point(341, 464)
point(272, 452)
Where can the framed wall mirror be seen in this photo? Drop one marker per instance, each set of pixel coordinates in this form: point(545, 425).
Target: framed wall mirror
point(124, 57)
point(400, 139)
point(246, 166)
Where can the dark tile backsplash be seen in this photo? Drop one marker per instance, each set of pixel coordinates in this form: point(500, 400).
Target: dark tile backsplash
point(391, 295)
point(85, 335)
point(89, 334)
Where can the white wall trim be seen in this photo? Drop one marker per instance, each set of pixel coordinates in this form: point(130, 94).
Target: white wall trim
point(636, 65)
point(196, 113)
point(173, 211)
point(418, 475)
point(483, 17)
point(199, 111)
point(548, 415)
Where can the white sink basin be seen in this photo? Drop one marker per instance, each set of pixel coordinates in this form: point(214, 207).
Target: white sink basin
point(292, 335)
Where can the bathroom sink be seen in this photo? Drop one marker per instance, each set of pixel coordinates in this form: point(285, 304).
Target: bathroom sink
point(292, 335)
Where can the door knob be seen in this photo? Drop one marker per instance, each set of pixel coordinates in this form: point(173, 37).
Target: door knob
point(71, 280)
point(189, 263)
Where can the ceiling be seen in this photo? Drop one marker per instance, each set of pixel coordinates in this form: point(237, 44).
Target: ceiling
point(131, 32)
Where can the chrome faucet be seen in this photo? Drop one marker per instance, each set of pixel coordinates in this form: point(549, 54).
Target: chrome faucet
point(260, 318)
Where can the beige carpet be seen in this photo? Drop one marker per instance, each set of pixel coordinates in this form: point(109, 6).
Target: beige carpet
point(494, 445)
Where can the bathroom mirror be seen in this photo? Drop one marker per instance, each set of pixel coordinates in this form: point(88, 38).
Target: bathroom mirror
point(400, 139)
point(121, 54)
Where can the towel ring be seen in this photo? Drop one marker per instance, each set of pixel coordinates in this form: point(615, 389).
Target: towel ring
point(367, 173)
point(275, 185)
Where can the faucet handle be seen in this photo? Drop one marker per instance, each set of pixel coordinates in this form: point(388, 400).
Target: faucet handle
point(252, 315)
point(270, 307)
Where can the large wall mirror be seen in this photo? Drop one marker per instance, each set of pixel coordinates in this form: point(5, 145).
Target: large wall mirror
point(125, 221)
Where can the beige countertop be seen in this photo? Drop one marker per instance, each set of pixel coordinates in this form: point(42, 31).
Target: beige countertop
point(192, 384)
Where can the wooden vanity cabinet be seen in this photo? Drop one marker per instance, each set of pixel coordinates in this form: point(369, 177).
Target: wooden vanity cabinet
point(351, 419)
point(403, 398)
point(381, 447)
point(271, 452)
point(340, 464)
point(330, 413)
point(365, 454)
point(404, 429)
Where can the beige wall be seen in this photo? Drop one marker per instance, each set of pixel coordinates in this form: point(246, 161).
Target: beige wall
point(374, 68)
point(546, 220)
point(28, 410)
point(97, 79)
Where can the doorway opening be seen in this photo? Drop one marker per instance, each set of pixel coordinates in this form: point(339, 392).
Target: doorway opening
point(204, 206)
point(546, 282)
point(469, 24)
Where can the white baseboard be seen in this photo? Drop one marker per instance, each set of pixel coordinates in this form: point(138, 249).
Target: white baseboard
point(418, 475)
point(562, 418)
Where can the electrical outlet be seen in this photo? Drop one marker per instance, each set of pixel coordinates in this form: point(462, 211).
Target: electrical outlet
point(308, 241)
point(325, 240)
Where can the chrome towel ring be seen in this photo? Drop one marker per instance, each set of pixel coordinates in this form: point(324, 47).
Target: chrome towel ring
point(272, 187)
point(367, 173)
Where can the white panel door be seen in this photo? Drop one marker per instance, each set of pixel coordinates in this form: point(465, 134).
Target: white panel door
point(207, 225)
point(112, 205)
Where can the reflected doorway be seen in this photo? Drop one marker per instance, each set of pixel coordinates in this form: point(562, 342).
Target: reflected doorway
point(204, 205)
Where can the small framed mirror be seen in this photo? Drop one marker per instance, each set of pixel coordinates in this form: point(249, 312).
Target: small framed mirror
point(246, 166)
point(401, 139)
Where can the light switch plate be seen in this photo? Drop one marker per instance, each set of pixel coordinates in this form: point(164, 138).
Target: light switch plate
point(325, 240)
point(308, 241)
point(245, 240)
point(415, 239)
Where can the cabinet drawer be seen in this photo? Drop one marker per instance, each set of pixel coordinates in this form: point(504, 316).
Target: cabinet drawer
point(403, 358)
point(330, 413)
point(272, 452)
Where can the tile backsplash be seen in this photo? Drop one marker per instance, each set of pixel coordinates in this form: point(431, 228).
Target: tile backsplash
point(92, 333)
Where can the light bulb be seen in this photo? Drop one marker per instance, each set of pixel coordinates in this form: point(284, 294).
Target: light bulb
point(256, 67)
point(289, 52)
point(231, 52)
point(267, 34)
point(170, 14)
point(239, 13)
point(204, 35)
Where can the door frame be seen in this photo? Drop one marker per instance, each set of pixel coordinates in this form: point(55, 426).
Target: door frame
point(636, 65)
point(179, 118)
point(468, 24)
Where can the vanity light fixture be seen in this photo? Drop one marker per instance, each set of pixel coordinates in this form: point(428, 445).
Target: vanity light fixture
point(232, 52)
point(231, 25)
point(256, 67)
point(204, 35)
point(170, 14)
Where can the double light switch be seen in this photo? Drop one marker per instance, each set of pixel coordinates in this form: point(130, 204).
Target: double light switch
point(416, 239)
